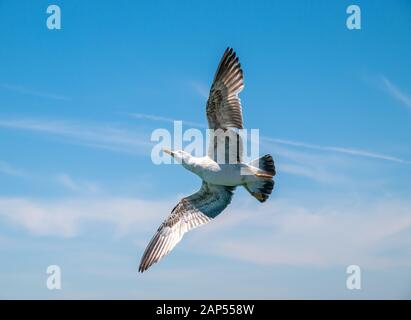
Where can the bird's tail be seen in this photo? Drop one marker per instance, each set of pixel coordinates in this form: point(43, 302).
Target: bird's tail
point(263, 184)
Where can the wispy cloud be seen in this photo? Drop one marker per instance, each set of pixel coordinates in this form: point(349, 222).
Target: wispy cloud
point(291, 156)
point(200, 89)
point(343, 150)
point(316, 173)
point(165, 119)
point(62, 179)
point(293, 143)
point(119, 139)
point(396, 92)
point(98, 136)
point(32, 92)
point(6, 168)
point(77, 185)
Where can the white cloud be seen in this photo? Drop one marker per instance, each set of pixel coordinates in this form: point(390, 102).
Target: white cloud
point(66, 217)
point(368, 233)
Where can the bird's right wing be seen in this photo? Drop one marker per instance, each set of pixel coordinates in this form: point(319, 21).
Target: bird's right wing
point(189, 213)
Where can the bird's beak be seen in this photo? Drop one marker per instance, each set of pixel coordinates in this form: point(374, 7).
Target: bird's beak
point(171, 153)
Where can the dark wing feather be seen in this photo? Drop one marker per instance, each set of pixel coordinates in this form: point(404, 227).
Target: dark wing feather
point(189, 213)
point(224, 107)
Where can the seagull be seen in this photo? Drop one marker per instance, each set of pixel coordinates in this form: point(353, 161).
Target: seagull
point(219, 178)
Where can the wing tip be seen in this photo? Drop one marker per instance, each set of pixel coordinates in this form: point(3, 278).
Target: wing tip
point(141, 267)
point(144, 265)
point(228, 66)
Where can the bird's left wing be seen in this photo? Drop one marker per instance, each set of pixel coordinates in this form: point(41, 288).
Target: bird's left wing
point(189, 213)
point(223, 105)
point(224, 111)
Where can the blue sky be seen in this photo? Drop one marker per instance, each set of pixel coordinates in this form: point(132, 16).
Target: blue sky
point(78, 187)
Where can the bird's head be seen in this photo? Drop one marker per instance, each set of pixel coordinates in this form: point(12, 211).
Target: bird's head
point(181, 156)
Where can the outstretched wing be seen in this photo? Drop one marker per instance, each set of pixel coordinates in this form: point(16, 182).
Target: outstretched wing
point(189, 213)
point(224, 106)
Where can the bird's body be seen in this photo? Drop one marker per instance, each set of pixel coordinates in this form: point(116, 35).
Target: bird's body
point(220, 178)
point(226, 174)
point(223, 174)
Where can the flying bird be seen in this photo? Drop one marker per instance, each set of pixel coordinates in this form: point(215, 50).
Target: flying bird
point(219, 178)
